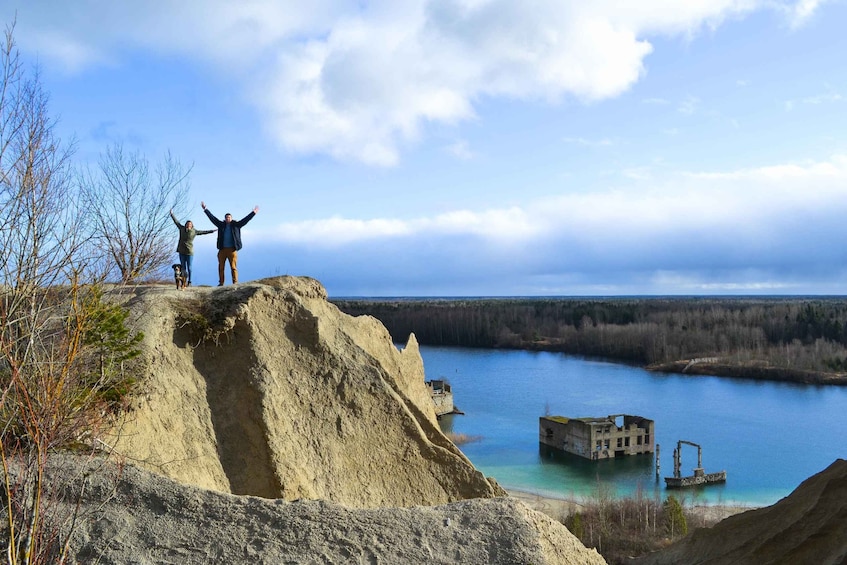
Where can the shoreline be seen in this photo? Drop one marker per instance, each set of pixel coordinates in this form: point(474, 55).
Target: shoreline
point(557, 508)
point(749, 371)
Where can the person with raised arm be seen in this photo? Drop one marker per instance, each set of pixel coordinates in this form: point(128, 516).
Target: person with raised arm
point(229, 241)
point(185, 245)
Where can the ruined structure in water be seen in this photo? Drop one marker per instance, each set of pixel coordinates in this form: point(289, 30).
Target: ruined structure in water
point(442, 396)
point(608, 437)
point(700, 477)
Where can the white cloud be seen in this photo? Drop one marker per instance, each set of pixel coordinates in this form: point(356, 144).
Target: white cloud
point(689, 105)
point(759, 230)
point(461, 150)
point(338, 231)
point(747, 205)
point(357, 80)
point(833, 169)
point(91, 32)
point(498, 226)
point(825, 98)
point(73, 54)
point(802, 11)
point(637, 173)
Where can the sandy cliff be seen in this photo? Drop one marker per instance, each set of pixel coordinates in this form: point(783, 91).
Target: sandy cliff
point(287, 397)
point(272, 428)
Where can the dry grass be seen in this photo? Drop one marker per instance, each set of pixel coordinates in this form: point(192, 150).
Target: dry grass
point(462, 439)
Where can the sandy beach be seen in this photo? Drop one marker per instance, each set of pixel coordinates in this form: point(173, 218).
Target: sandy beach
point(559, 508)
point(556, 508)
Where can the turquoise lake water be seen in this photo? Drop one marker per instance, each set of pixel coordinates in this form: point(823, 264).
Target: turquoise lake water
point(769, 437)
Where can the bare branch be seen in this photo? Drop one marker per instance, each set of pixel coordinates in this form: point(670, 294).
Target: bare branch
point(130, 206)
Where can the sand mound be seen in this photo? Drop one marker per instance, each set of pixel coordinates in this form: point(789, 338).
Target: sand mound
point(807, 526)
point(267, 389)
point(130, 515)
point(272, 428)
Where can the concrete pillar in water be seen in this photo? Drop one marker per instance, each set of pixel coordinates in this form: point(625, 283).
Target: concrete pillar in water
point(658, 464)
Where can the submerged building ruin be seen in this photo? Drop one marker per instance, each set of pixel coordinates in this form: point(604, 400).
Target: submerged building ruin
point(607, 437)
point(442, 396)
point(700, 476)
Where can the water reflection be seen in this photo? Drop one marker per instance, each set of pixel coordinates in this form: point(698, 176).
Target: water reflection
point(635, 466)
point(622, 476)
point(445, 422)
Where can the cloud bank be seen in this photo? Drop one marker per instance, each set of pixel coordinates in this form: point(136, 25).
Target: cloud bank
point(358, 80)
point(699, 232)
point(362, 81)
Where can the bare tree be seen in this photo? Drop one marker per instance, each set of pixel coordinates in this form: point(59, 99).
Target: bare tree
point(42, 238)
point(58, 338)
point(38, 240)
point(129, 206)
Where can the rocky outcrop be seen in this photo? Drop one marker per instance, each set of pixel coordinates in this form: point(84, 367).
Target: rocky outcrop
point(129, 515)
point(270, 427)
point(807, 526)
point(267, 389)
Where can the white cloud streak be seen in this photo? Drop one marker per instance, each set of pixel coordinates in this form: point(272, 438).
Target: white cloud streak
point(357, 80)
point(757, 230)
point(685, 203)
point(802, 11)
point(461, 150)
point(497, 226)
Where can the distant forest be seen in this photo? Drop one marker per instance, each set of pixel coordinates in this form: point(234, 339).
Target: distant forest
point(788, 338)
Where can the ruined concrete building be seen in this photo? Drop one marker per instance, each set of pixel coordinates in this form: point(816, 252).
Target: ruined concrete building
point(442, 396)
point(598, 438)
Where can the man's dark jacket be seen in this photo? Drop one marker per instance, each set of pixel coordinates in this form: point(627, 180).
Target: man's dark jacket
point(234, 226)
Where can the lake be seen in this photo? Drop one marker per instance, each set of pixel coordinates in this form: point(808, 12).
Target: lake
point(769, 437)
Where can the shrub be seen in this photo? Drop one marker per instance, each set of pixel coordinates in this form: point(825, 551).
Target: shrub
point(675, 521)
point(621, 528)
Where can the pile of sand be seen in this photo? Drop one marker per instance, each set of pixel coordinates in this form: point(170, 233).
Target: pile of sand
point(806, 527)
point(134, 516)
point(287, 397)
point(271, 427)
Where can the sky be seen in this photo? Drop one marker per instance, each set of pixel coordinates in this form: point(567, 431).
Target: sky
point(478, 147)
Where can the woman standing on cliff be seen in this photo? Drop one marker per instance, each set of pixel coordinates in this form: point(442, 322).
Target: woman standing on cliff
point(185, 247)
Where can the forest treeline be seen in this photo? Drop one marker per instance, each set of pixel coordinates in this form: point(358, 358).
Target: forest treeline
point(748, 336)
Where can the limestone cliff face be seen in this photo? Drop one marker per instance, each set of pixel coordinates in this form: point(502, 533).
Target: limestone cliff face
point(287, 397)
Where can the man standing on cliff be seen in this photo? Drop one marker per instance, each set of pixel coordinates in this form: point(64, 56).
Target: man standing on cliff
point(229, 241)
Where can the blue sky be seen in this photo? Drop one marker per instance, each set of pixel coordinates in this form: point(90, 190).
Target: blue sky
point(479, 147)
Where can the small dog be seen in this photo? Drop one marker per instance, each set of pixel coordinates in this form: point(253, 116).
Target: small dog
point(179, 276)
